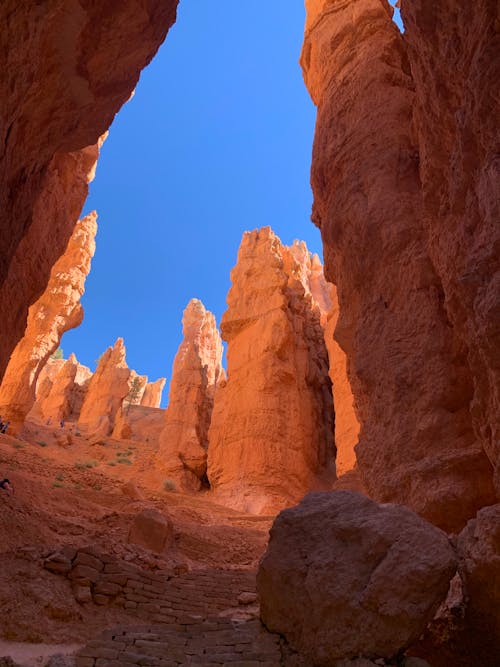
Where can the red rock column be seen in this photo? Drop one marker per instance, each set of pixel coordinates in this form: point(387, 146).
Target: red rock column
point(152, 393)
point(196, 374)
point(57, 311)
point(106, 390)
point(411, 386)
point(271, 436)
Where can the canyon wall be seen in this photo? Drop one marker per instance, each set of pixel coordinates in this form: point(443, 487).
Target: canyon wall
point(68, 68)
point(271, 436)
point(56, 311)
point(407, 363)
point(454, 54)
point(196, 374)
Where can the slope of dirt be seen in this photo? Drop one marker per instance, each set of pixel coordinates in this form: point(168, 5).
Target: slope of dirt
point(67, 495)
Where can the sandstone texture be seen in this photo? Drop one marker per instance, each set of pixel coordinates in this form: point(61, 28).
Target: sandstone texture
point(152, 530)
point(454, 51)
point(345, 577)
point(139, 423)
point(152, 393)
point(271, 436)
point(67, 70)
point(408, 363)
point(107, 388)
point(196, 373)
point(56, 311)
point(479, 553)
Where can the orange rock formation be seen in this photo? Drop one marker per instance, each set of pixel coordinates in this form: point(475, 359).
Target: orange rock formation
point(196, 373)
point(56, 311)
point(107, 388)
point(408, 364)
point(152, 393)
point(271, 436)
point(67, 70)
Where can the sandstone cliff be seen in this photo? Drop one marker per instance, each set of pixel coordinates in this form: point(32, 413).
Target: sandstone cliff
point(271, 436)
point(152, 393)
point(107, 388)
point(67, 69)
point(406, 362)
point(56, 311)
point(196, 373)
point(456, 128)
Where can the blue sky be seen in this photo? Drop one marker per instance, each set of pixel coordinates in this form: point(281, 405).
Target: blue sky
point(217, 140)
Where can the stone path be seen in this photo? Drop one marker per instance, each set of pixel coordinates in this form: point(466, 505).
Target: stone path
point(212, 642)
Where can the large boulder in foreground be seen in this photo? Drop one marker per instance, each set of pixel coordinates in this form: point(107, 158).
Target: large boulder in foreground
point(344, 576)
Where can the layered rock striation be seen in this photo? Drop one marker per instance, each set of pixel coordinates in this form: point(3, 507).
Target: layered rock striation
point(56, 311)
point(107, 388)
point(271, 436)
point(67, 70)
point(196, 374)
point(407, 362)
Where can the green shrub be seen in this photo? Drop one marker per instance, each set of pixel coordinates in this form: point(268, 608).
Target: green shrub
point(41, 443)
point(60, 477)
point(57, 485)
point(17, 445)
point(127, 462)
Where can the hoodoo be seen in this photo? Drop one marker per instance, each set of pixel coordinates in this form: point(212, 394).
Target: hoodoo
point(107, 388)
point(196, 375)
point(56, 311)
point(271, 436)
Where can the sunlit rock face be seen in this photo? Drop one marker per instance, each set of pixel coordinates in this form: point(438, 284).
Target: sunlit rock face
point(56, 311)
point(406, 360)
point(453, 51)
point(107, 388)
point(60, 390)
point(271, 436)
point(196, 374)
point(67, 69)
point(153, 393)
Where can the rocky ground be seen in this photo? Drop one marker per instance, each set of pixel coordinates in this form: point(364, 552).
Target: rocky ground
point(70, 497)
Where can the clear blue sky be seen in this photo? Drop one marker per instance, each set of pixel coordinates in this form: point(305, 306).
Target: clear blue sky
point(217, 140)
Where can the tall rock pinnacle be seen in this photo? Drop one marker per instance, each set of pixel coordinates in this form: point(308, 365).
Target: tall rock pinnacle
point(56, 311)
point(197, 372)
point(271, 437)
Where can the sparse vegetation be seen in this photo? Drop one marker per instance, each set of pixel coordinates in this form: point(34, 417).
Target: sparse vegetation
point(81, 465)
point(42, 443)
point(125, 461)
point(134, 393)
point(111, 463)
point(17, 445)
point(169, 485)
point(58, 354)
point(57, 485)
point(60, 477)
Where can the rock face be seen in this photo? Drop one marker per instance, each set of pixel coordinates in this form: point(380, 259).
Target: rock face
point(271, 436)
point(68, 69)
point(346, 421)
point(152, 393)
point(456, 51)
point(407, 363)
point(139, 423)
point(56, 311)
point(345, 577)
point(196, 373)
point(107, 388)
point(479, 552)
point(60, 395)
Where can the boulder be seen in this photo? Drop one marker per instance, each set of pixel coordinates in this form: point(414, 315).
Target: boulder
point(479, 554)
point(345, 577)
point(152, 530)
